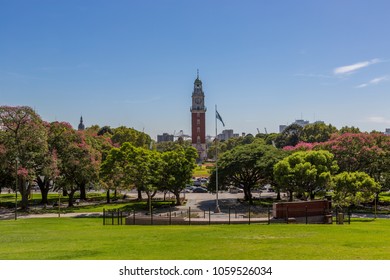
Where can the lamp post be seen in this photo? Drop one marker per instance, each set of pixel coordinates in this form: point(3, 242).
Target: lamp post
point(16, 188)
point(217, 209)
point(59, 203)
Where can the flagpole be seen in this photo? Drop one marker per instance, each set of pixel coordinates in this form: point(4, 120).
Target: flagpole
point(217, 210)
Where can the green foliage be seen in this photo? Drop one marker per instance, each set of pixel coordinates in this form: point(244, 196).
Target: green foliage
point(289, 137)
point(317, 132)
point(104, 130)
point(305, 172)
point(349, 129)
point(369, 153)
point(124, 134)
point(148, 170)
point(354, 188)
point(229, 144)
point(133, 166)
point(178, 169)
point(171, 146)
point(23, 147)
point(247, 165)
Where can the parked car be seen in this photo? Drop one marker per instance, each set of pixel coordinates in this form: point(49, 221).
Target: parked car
point(200, 190)
point(235, 190)
point(197, 183)
point(189, 189)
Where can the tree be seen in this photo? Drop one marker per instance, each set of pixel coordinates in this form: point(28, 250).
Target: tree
point(349, 129)
point(134, 166)
point(124, 134)
point(112, 173)
point(24, 140)
point(79, 162)
point(359, 151)
point(247, 166)
point(178, 169)
point(289, 137)
point(365, 152)
point(305, 172)
point(226, 145)
point(105, 129)
point(6, 178)
point(353, 188)
point(317, 132)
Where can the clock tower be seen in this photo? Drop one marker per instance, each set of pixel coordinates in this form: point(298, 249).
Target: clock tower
point(198, 119)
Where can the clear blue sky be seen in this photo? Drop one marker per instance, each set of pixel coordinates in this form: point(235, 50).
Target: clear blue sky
point(133, 63)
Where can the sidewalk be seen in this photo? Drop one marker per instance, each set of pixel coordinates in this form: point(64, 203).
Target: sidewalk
point(10, 215)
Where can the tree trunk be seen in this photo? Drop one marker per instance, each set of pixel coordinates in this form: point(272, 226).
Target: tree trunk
point(278, 195)
point(139, 194)
point(291, 196)
point(83, 193)
point(108, 196)
point(250, 198)
point(44, 193)
point(149, 201)
point(248, 194)
point(24, 191)
point(178, 200)
point(70, 199)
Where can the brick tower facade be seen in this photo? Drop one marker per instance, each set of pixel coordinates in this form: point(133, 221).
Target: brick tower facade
point(198, 119)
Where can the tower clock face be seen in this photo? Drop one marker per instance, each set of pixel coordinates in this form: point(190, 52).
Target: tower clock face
point(198, 100)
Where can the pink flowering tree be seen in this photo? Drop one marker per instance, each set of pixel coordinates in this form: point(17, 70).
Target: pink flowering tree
point(49, 170)
point(301, 146)
point(5, 174)
point(365, 152)
point(24, 138)
point(79, 162)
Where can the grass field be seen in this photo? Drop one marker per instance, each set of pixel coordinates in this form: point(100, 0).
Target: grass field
point(87, 238)
point(201, 171)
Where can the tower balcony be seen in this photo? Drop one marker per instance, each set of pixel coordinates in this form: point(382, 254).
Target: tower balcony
point(198, 108)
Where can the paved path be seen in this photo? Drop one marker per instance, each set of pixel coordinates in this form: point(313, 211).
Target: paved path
point(10, 215)
point(198, 202)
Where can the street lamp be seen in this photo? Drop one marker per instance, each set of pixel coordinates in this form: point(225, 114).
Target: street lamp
point(59, 203)
point(16, 188)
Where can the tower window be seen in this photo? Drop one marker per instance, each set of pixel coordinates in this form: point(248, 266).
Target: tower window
point(198, 129)
point(198, 139)
point(198, 121)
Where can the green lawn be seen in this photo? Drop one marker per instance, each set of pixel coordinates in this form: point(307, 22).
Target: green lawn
point(87, 238)
point(201, 171)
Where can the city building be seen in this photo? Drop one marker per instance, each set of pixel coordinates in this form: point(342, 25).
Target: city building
point(227, 134)
point(302, 123)
point(387, 131)
point(198, 119)
point(165, 137)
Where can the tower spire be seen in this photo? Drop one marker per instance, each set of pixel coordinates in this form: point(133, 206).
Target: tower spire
point(197, 73)
point(81, 124)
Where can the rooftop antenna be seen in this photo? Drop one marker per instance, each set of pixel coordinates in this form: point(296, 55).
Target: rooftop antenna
point(197, 74)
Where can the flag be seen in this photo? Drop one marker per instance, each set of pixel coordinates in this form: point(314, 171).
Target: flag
point(218, 116)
